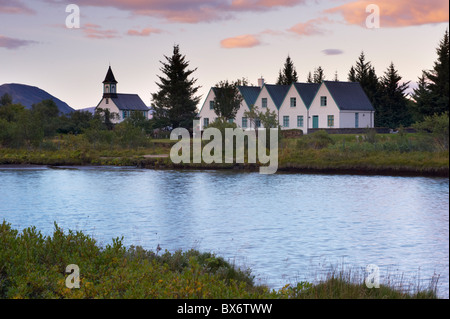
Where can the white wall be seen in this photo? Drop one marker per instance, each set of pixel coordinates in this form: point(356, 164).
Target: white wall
point(293, 112)
point(205, 111)
point(270, 103)
point(324, 111)
point(112, 109)
point(347, 119)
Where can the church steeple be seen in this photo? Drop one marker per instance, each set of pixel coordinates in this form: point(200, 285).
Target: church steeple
point(109, 85)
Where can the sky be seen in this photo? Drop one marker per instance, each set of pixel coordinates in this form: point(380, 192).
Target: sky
point(42, 45)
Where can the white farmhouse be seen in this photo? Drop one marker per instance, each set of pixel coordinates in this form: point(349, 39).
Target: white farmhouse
point(122, 104)
point(304, 106)
point(341, 105)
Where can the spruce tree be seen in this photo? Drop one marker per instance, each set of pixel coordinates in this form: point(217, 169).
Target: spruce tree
point(288, 75)
point(393, 109)
point(364, 73)
point(175, 104)
point(319, 75)
point(433, 97)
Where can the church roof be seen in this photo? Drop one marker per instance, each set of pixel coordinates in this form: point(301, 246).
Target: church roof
point(129, 102)
point(110, 77)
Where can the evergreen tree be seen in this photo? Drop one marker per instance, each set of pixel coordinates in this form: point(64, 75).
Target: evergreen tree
point(288, 75)
point(364, 73)
point(352, 75)
point(423, 99)
point(319, 75)
point(175, 104)
point(393, 107)
point(432, 96)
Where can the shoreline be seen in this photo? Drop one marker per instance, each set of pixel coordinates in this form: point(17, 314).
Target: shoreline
point(249, 168)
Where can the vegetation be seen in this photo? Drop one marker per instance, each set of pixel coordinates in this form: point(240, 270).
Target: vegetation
point(288, 75)
point(33, 266)
point(227, 100)
point(175, 104)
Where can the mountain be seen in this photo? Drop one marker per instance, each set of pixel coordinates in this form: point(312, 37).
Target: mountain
point(29, 95)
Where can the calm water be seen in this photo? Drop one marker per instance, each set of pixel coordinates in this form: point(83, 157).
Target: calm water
point(285, 227)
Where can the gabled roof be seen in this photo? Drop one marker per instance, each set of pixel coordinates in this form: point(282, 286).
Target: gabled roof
point(349, 96)
point(277, 93)
point(110, 77)
point(129, 102)
point(250, 94)
point(307, 92)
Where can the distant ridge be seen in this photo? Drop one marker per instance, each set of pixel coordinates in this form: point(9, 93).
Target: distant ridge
point(28, 95)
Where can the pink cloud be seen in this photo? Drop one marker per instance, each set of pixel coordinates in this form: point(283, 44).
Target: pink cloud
point(145, 32)
point(94, 31)
point(12, 44)
point(310, 27)
point(399, 13)
point(14, 7)
point(188, 11)
point(242, 41)
point(251, 5)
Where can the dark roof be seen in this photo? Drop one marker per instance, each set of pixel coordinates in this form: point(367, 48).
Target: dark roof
point(349, 96)
point(277, 93)
point(250, 94)
point(110, 77)
point(129, 102)
point(307, 92)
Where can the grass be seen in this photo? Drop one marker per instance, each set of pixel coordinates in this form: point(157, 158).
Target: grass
point(33, 266)
point(387, 154)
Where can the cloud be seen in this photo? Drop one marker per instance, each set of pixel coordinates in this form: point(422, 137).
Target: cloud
point(262, 5)
point(242, 41)
point(144, 33)
point(310, 27)
point(399, 13)
point(332, 51)
point(14, 7)
point(188, 11)
point(12, 44)
point(94, 31)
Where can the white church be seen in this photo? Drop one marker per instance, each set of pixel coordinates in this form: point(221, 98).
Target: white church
point(122, 104)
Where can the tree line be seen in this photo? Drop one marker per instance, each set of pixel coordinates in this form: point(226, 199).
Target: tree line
point(394, 108)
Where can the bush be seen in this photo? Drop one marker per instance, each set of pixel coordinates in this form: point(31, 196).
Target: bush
point(317, 140)
point(438, 127)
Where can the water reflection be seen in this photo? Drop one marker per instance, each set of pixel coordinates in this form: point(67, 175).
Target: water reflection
point(280, 225)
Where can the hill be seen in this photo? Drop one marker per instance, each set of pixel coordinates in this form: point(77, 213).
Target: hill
point(28, 95)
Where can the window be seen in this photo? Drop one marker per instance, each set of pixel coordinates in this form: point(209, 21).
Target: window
point(293, 102)
point(124, 114)
point(323, 101)
point(244, 122)
point(211, 105)
point(286, 121)
point(231, 121)
point(330, 120)
point(113, 88)
point(264, 102)
point(356, 120)
point(258, 122)
point(205, 122)
point(300, 121)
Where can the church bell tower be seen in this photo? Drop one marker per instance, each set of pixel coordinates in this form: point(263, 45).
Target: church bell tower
point(109, 85)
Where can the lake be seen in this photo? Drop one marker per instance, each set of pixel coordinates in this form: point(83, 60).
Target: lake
point(285, 227)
